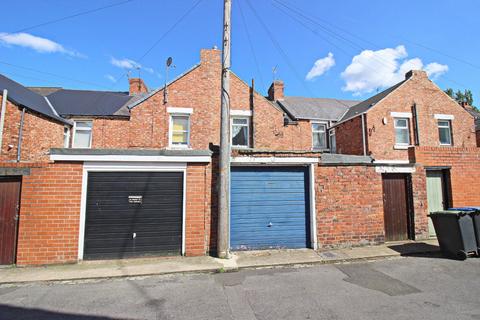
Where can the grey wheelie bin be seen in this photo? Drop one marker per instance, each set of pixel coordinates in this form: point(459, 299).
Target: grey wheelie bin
point(455, 233)
point(474, 212)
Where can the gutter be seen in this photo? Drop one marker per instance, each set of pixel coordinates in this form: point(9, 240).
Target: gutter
point(2, 116)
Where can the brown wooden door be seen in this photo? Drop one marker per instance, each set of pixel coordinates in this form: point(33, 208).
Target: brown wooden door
point(395, 205)
point(9, 206)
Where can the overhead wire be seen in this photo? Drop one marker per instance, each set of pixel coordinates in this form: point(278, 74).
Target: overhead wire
point(252, 49)
point(166, 33)
point(316, 20)
point(72, 16)
point(278, 47)
point(52, 74)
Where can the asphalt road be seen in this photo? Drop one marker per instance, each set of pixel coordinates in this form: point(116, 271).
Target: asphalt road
point(402, 288)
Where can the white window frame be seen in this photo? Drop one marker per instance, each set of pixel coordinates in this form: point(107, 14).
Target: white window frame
point(325, 125)
point(248, 131)
point(170, 131)
point(407, 128)
point(66, 136)
point(75, 131)
point(331, 135)
point(449, 126)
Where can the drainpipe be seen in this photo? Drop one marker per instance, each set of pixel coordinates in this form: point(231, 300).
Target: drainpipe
point(251, 134)
point(417, 128)
point(363, 135)
point(20, 136)
point(2, 117)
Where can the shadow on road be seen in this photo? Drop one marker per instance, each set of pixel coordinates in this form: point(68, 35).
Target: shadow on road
point(420, 250)
point(19, 313)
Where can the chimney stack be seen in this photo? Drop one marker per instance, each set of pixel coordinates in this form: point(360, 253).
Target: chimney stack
point(275, 92)
point(137, 86)
point(416, 74)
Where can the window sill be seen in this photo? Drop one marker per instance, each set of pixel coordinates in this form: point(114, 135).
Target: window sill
point(240, 147)
point(402, 146)
point(179, 147)
point(446, 145)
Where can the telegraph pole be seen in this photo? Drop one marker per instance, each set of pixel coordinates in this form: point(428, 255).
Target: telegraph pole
point(224, 161)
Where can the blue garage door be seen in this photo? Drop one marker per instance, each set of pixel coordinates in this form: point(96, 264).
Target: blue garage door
point(269, 208)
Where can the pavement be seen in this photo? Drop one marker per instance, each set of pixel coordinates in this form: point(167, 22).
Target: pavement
point(414, 287)
point(240, 260)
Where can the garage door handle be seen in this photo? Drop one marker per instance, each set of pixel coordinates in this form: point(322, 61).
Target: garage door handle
point(269, 225)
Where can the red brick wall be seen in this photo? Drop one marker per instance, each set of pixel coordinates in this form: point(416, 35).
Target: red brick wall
point(50, 214)
point(110, 133)
point(199, 89)
point(349, 204)
point(349, 137)
point(420, 203)
point(39, 135)
point(429, 100)
point(464, 172)
point(198, 209)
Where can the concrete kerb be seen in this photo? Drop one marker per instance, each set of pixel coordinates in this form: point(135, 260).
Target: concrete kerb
point(215, 266)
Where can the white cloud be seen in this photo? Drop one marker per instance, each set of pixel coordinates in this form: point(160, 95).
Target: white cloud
point(435, 70)
point(110, 77)
point(321, 66)
point(371, 70)
point(129, 64)
point(125, 63)
point(149, 70)
point(39, 44)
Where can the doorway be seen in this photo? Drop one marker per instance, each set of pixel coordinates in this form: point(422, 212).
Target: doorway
point(396, 205)
point(9, 209)
point(437, 194)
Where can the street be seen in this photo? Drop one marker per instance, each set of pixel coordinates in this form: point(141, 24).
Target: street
point(427, 287)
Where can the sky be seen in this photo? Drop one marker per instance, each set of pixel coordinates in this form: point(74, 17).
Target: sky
point(338, 49)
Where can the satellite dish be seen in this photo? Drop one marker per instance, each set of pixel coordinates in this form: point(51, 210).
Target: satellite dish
point(169, 61)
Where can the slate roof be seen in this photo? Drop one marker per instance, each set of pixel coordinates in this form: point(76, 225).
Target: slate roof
point(473, 112)
point(24, 97)
point(363, 106)
point(316, 108)
point(89, 103)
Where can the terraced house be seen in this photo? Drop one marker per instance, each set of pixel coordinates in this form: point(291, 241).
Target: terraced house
point(99, 175)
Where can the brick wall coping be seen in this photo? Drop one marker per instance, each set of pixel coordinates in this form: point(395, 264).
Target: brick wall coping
point(285, 152)
point(447, 149)
point(332, 158)
point(130, 152)
point(64, 154)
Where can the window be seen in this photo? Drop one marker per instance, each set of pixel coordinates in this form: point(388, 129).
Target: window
point(66, 137)
point(402, 132)
point(445, 132)
point(82, 134)
point(240, 132)
point(319, 135)
point(180, 131)
point(333, 141)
